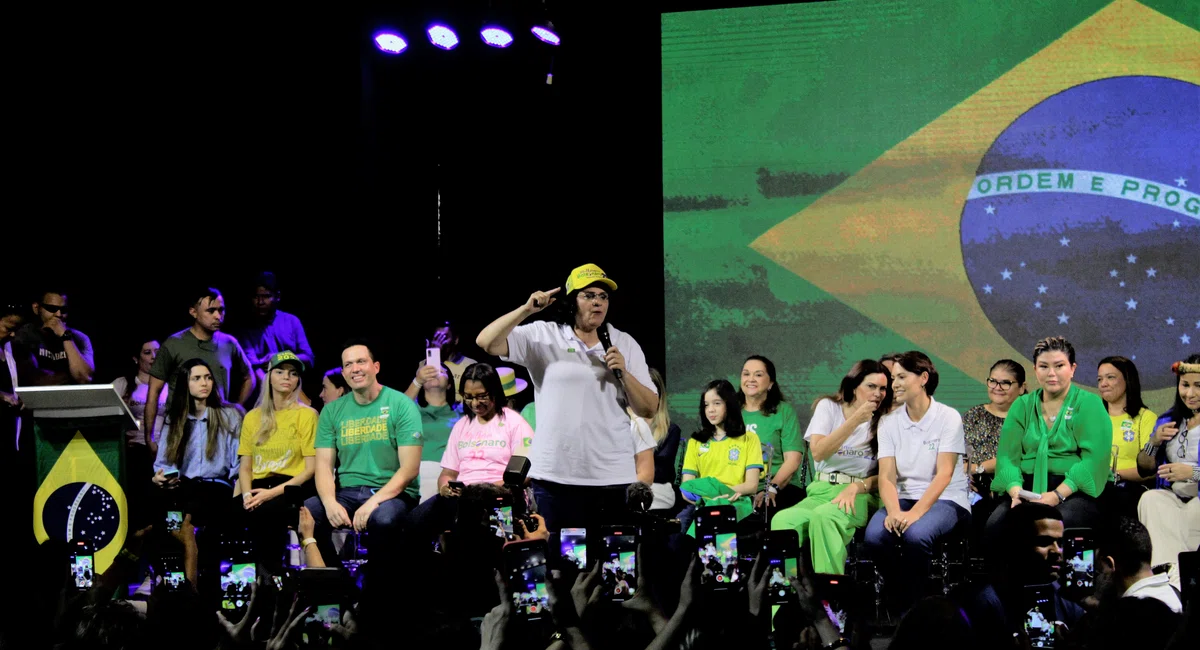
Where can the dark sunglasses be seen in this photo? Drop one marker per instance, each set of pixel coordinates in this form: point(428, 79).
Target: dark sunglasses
point(54, 309)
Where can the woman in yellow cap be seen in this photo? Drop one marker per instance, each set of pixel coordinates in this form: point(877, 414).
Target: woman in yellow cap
point(584, 372)
point(276, 450)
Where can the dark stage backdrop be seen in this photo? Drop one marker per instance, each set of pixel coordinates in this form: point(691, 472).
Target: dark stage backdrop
point(221, 145)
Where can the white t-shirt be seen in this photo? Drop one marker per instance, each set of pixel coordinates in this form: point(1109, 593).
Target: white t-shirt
point(916, 445)
point(583, 432)
point(855, 457)
point(1157, 586)
point(137, 406)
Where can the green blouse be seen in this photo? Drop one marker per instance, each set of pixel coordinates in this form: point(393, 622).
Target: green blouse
point(1078, 445)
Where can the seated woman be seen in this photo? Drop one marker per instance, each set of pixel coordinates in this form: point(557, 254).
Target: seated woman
point(664, 435)
point(333, 386)
point(767, 414)
point(1172, 512)
point(921, 479)
point(981, 425)
point(1056, 442)
point(844, 444)
point(723, 460)
point(478, 450)
point(199, 448)
point(277, 451)
point(1132, 427)
point(439, 413)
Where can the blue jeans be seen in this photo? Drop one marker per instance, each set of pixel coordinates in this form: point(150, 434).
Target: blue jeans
point(905, 561)
point(384, 526)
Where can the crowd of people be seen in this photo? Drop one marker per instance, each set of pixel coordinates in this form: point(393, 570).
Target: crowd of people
point(437, 483)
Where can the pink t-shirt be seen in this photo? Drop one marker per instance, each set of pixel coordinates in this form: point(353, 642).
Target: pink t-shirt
point(480, 452)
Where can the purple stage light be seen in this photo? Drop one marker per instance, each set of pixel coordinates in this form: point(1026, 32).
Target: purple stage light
point(390, 43)
point(496, 36)
point(546, 35)
point(443, 37)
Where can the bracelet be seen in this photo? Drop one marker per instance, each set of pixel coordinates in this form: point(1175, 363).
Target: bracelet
point(772, 488)
point(307, 541)
point(1061, 498)
point(418, 385)
point(1196, 474)
point(128, 555)
point(66, 336)
point(1150, 449)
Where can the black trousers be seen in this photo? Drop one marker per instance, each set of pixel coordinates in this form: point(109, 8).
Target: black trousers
point(267, 525)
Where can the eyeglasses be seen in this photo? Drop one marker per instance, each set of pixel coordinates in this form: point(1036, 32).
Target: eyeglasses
point(477, 398)
point(1002, 384)
point(54, 309)
point(592, 295)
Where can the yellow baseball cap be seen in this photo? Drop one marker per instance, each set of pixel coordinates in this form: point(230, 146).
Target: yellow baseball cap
point(586, 275)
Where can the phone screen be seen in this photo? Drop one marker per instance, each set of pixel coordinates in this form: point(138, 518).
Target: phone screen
point(83, 569)
point(500, 521)
point(619, 572)
point(317, 624)
point(716, 537)
point(1080, 555)
point(780, 585)
point(526, 563)
point(573, 546)
point(236, 582)
point(1039, 617)
point(174, 520)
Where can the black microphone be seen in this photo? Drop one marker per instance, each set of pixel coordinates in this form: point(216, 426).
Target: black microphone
point(606, 341)
point(639, 497)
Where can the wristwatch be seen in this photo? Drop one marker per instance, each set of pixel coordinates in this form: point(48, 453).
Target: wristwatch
point(772, 488)
point(66, 336)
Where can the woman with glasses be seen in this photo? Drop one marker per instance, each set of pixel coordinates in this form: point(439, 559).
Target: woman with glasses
point(584, 372)
point(1055, 443)
point(1171, 513)
point(478, 450)
point(981, 426)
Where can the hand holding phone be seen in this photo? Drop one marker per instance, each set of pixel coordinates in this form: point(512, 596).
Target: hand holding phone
point(433, 357)
point(619, 562)
point(83, 566)
point(717, 546)
point(525, 563)
point(1029, 496)
point(174, 520)
point(573, 546)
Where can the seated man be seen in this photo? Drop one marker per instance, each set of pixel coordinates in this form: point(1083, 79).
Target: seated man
point(1123, 567)
point(1029, 553)
point(373, 440)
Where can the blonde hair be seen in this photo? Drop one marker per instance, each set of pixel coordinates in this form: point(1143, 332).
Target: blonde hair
point(266, 408)
point(660, 423)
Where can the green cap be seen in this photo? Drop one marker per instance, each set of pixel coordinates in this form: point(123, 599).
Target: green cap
point(284, 357)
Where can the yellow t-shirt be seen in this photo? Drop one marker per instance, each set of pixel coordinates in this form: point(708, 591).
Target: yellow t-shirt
point(725, 460)
point(292, 440)
point(1130, 435)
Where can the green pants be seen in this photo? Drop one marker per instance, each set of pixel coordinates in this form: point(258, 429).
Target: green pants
point(826, 528)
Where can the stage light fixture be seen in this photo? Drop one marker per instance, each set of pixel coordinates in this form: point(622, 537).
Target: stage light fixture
point(390, 42)
point(546, 34)
point(496, 36)
point(442, 36)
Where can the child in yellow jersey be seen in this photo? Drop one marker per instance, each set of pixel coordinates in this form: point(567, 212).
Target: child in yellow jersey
point(723, 460)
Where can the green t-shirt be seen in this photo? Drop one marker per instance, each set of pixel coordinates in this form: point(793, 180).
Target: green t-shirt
point(782, 432)
point(436, 423)
point(366, 438)
point(530, 415)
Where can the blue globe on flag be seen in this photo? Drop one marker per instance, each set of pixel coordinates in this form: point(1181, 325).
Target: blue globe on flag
point(1084, 221)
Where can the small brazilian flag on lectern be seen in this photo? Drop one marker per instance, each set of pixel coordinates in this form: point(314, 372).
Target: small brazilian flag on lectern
point(79, 493)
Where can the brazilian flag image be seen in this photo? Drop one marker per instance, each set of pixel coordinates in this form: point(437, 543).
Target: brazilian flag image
point(79, 494)
point(847, 179)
